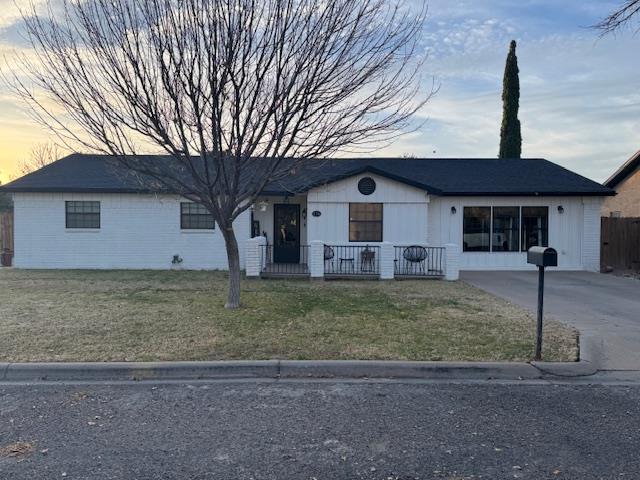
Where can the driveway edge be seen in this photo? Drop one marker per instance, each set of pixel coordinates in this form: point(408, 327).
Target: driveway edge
point(590, 361)
point(287, 369)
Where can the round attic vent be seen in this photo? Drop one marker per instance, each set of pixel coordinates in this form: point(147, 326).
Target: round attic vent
point(367, 186)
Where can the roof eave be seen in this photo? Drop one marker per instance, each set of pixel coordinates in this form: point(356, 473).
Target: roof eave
point(623, 172)
point(529, 194)
point(8, 189)
point(352, 173)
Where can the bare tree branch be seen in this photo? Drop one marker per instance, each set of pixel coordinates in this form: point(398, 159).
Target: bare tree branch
point(41, 156)
point(619, 18)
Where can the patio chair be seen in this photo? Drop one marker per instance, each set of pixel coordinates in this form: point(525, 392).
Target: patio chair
point(367, 260)
point(416, 257)
point(328, 255)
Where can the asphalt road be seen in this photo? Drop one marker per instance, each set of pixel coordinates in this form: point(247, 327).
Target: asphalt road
point(321, 430)
point(604, 308)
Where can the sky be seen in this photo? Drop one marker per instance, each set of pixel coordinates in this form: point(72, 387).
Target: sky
point(580, 94)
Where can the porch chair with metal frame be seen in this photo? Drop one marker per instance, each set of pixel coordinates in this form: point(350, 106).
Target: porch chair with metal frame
point(416, 256)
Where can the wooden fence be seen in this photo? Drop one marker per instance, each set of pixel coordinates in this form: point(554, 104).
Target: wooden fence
point(620, 248)
point(6, 231)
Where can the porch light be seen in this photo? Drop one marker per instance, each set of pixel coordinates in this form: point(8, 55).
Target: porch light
point(560, 209)
point(453, 210)
point(262, 206)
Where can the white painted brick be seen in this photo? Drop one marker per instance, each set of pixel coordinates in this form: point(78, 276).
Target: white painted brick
point(136, 232)
point(591, 233)
point(254, 256)
point(452, 262)
point(316, 259)
point(387, 256)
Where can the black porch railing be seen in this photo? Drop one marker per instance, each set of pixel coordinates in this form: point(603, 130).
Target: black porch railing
point(418, 261)
point(351, 260)
point(285, 260)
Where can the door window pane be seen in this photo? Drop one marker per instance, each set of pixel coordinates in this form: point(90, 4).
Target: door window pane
point(365, 222)
point(535, 224)
point(287, 227)
point(476, 229)
point(505, 229)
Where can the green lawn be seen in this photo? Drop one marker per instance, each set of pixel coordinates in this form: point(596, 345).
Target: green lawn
point(148, 315)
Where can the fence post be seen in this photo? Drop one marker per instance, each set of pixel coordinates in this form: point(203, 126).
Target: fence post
point(387, 256)
point(452, 262)
point(316, 259)
point(253, 256)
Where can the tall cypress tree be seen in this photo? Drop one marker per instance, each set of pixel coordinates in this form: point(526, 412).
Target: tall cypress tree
point(510, 136)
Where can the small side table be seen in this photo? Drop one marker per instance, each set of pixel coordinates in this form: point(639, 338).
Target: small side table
point(349, 262)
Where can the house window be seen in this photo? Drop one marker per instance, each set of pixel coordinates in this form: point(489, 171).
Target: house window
point(365, 222)
point(506, 222)
point(476, 229)
point(194, 216)
point(535, 226)
point(82, 214)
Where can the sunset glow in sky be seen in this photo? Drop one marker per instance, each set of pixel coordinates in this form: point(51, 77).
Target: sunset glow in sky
point(580, 95)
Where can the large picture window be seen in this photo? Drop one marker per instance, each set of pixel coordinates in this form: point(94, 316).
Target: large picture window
point(535, 226)
point(82, 214)
point(365, 222)
point(194, 216)
point(513, 229)
point(506, 221)
point(476, 229)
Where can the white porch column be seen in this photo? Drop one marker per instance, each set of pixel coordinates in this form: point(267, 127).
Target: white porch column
point(253, 256)
point(316, 259)
point(591, 233)
point(452, 262)
point(386, 261)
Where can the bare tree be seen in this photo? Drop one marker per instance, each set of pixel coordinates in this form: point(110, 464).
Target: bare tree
point(41, 156)
point(617, 19)
point(236, 92)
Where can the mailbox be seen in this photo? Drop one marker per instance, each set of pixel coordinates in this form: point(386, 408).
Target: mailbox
point(542, 256)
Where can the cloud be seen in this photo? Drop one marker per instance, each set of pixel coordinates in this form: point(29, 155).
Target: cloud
point(580, 96)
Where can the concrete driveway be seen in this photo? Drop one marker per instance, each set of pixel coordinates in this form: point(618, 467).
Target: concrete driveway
point(604, 308)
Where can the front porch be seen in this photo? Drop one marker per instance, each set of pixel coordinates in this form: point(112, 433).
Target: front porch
point(336, 231)
point(321, 260)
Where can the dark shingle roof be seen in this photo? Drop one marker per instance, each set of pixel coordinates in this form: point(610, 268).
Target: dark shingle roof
point(441, 176)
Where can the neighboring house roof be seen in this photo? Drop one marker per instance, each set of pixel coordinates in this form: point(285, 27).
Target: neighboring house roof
point(624, 171)
point(83, 173)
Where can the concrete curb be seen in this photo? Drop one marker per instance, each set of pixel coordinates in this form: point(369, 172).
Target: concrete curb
point(589, 364)
point(126, 371)
point(413, 370)
point(289, 369)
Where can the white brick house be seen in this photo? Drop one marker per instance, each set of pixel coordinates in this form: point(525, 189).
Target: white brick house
point(374, 217)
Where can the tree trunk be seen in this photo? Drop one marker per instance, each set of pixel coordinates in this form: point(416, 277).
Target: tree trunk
point(233, 257)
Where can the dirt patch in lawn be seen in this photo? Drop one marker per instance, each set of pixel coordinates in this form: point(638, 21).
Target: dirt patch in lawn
point(151, 315)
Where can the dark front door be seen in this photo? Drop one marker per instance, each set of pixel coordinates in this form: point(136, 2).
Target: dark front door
point(286, 233)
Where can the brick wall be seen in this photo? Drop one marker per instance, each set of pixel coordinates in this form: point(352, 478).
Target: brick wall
point(136, 232)
point(627, 200)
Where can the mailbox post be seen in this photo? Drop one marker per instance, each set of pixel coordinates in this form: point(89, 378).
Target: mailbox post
point(542, 257)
